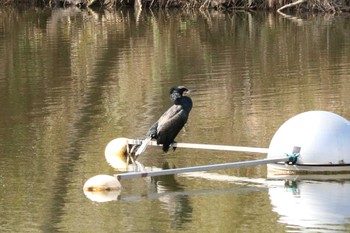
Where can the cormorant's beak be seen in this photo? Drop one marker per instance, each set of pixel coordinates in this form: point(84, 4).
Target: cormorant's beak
point(188, 92)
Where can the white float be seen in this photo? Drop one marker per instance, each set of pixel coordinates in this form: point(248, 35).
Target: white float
point(116, 153)
point(321, 138)
point(102, 188)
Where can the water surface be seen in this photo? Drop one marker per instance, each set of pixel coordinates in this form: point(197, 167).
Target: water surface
point(72, 80)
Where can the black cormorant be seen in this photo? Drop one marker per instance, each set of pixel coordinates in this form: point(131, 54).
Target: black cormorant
point(171, 122)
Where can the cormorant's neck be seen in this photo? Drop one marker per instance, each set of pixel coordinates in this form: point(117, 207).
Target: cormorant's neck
point(174, 96)
point(185, 102)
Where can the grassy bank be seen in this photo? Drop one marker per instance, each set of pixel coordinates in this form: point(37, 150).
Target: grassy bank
point(329, 6)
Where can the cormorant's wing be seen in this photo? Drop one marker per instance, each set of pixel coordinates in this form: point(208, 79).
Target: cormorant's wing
point(170, 124)
point(174, 117)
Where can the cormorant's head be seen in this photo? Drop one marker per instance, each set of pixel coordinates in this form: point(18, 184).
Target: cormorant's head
point(178, 92)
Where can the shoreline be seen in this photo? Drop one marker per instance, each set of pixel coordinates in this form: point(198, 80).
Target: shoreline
point(328, 6)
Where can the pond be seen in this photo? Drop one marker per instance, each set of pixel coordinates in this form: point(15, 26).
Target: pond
point(72, 80)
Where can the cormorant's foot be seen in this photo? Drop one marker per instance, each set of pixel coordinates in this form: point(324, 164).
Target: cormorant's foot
point(165, 148)
point(174, 147)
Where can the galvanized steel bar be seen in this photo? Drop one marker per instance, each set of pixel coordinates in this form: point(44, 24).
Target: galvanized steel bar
point(200, 168)
point(205, 146)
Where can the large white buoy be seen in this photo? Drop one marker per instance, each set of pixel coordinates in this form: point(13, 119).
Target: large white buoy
point(322, 139)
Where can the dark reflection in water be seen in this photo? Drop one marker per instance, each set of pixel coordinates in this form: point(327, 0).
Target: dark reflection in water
point(179, 206)
point(72, 80)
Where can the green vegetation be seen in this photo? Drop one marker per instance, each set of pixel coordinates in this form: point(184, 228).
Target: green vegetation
point(330, 6)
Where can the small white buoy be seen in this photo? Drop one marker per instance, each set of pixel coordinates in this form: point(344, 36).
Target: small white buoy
point(116, 153)
point(102, 183)
point(322, 139)
point(102, 188)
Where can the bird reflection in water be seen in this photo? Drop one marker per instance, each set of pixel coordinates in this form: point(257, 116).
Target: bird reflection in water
point(178, 206)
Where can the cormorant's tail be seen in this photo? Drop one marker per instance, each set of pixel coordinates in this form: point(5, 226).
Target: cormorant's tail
point(143, 146)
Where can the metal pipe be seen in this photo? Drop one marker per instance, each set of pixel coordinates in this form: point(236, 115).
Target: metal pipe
point(205, 146)
point(200, 168)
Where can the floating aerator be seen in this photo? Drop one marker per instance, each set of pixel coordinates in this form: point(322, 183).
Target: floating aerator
point(321, 138)
point(315, 141)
